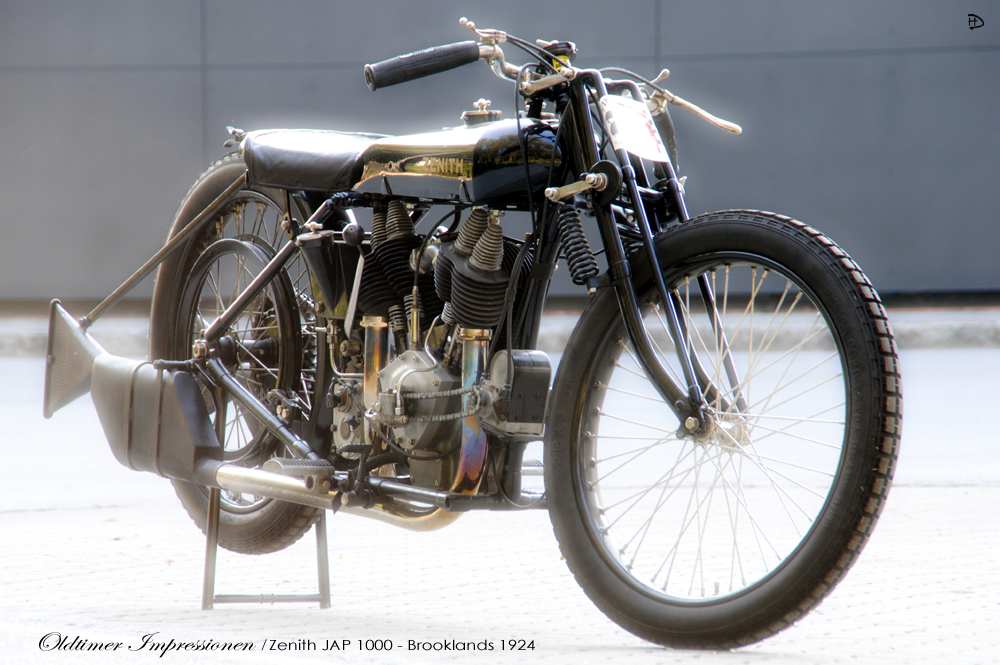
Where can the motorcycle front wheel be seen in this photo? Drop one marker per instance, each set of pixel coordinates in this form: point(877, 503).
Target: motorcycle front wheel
point(724, 537)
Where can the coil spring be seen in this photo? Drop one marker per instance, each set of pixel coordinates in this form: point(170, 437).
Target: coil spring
point(582, 264)
point(397, 319)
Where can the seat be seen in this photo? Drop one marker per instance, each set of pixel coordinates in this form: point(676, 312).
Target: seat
point(306, 159)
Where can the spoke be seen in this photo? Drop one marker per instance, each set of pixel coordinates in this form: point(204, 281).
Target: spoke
point(798, 349)
point(753, 455)
point(798, 436)
point(624, 437)
point(758, 416)
point(794, 351)
point(755, 459)
point(257, 360)
point(634, 422)
point(638, 453)
point(668, 476)
point(686, 522)
point(802, 392)
point(741, 497)
point(734, 557)
point(818, 413)
point(626, 392)
point(659, 442)
point(716, 378)
point(680, 476)
point(629, 370)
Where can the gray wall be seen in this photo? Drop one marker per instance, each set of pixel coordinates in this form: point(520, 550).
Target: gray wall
point(873, 121)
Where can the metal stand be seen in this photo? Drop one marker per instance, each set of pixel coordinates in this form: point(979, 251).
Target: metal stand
point(208, 597)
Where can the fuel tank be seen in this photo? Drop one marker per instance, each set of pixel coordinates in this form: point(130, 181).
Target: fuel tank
point(480, 164)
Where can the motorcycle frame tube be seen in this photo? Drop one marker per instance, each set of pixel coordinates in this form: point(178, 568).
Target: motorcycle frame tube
point(704, 285)
point(587, 154)
point(260, 282)
point(222, 377)
point(161, 255)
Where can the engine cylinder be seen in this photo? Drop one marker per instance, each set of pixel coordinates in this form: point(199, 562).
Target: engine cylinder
point(479, 282)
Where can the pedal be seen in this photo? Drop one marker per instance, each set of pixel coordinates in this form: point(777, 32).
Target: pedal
point(532, 467)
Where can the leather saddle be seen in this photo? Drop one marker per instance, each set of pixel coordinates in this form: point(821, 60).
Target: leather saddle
point(305, 159)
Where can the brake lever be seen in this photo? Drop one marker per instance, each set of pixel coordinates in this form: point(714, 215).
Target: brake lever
point(489, 37)
point(661, 97)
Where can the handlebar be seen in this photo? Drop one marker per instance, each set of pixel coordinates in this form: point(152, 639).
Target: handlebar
point(442, 58)
point(419, 64)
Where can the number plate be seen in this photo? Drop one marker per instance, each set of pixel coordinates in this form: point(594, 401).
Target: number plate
point(631, 127)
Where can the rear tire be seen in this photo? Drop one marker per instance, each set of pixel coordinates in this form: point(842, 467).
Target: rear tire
point(725, 538)
point(248, 525)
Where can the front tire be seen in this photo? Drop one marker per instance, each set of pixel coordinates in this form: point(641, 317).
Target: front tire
point(723, 538)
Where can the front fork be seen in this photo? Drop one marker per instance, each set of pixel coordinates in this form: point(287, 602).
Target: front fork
point(687, 403)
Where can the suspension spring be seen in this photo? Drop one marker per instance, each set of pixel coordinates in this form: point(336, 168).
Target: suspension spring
point(582, 264)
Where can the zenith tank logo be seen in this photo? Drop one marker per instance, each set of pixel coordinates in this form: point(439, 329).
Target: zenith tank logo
point(975, 22)
point(444, 166)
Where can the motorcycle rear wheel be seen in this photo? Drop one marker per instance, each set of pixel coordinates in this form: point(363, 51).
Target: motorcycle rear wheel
point(248, 525)
point(724, 538)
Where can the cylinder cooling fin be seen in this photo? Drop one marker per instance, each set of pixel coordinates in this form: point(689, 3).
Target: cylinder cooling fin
point(478, 278)
point(468, 283)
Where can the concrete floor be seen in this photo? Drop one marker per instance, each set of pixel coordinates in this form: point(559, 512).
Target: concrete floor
point(90, 549)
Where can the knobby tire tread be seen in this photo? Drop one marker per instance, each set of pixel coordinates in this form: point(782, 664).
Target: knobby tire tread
point(879, 459)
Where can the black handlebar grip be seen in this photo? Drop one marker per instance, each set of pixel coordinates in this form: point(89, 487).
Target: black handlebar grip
point(422, 63)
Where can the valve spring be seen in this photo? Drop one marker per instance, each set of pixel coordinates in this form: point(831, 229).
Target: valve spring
point(398, 223)
point(408, 304)
point(397, 319)
point(582, 264)
point(447, 315)
point(472, 230)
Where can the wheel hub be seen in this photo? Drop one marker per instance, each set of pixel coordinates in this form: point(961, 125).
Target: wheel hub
point(728, 432)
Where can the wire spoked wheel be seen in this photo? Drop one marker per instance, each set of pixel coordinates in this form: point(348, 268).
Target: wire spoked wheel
point(722, 534)
point(261, 348)
point(256, 218)
point(703, 515)
point(184, 302)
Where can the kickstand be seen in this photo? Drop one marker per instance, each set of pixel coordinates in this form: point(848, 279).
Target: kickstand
point(208, 597)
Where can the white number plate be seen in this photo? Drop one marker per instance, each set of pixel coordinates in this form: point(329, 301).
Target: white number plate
point(631, 127)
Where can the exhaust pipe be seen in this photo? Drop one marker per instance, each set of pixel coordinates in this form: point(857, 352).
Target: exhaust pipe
point(276, 486)
point(69, 360)
point(156, 420)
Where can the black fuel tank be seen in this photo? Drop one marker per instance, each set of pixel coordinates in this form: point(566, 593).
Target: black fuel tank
point(479, 164)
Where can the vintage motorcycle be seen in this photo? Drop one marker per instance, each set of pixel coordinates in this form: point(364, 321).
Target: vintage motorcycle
point(721, 433)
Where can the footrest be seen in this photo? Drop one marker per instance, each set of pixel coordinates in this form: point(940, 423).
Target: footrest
point(298, 467)
point(532, 467)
